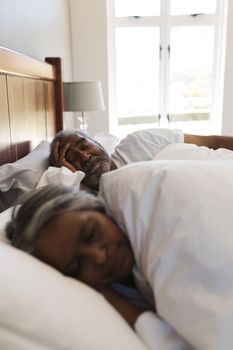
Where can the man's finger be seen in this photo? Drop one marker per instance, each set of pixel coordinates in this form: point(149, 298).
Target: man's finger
point(64, 149)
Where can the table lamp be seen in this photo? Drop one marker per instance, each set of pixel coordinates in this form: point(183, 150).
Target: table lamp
point(83, 96)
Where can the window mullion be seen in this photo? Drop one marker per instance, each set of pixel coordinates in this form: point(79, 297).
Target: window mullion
point(111, 67)
point(218, 66)
point(164, 62)
point(133, 21)
point(168, 28)
point(184, 20)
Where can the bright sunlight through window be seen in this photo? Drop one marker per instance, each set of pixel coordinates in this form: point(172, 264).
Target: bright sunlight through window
point(166, 63)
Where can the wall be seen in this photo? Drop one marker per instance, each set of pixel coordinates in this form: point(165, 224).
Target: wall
point(89, 44)
point(38, 28)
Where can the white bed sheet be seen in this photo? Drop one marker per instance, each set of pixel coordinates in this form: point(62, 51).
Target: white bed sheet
point(179, 218)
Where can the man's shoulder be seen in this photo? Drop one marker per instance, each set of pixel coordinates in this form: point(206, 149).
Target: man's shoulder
point(173, 135)
point(141, 135)
point(151, 131)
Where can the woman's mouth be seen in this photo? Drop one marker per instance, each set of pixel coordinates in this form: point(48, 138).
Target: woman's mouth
point(117, 261)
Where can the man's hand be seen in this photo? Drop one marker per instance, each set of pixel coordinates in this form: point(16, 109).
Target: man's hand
point(58, 157)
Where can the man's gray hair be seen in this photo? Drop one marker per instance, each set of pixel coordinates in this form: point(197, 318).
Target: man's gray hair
point(40, 206)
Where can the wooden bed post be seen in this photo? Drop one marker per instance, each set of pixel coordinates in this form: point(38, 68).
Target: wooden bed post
point(31, 108)
point(59, 104)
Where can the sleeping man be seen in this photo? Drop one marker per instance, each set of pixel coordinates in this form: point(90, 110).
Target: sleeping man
point(175, 242)
point(78, 151)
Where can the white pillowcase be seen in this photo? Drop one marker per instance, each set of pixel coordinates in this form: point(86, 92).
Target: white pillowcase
point(108, 141)
point(179, 218)
point(25, 172)
point(42, 309)
point(61, 176)
point(8, 198)
point(5, 216)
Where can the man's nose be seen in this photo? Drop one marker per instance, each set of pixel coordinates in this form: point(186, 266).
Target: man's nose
point(84, 155)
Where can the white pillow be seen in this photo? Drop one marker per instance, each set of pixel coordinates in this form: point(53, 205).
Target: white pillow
point(25, 172)
point(179, 218)
point(41, 308)
point(108, 141)
point(8, 198)
point(5, 216)
point(61, 176)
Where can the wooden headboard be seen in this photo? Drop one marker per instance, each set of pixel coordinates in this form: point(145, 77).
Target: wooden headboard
point(31, 103)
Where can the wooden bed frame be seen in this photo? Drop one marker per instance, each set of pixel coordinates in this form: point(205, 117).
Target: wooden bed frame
point(31, 103)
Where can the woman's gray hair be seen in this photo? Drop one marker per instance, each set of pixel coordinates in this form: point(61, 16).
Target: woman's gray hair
point(40, 206)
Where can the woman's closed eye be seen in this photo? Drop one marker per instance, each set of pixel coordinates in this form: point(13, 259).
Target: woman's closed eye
point(88, 236)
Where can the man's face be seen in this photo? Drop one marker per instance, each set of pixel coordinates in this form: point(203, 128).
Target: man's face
point(86, 245)
point(87, 156)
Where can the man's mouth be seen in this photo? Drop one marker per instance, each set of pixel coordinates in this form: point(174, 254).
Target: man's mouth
point(92, 165)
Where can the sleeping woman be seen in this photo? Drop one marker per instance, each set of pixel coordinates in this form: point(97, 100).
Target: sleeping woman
point(69, 230)
point(150, 221)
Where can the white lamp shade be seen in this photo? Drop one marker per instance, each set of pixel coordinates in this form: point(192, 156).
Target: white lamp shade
point(83, 96)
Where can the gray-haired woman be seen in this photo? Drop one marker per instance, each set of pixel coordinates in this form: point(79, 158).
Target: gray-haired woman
point(69, 230)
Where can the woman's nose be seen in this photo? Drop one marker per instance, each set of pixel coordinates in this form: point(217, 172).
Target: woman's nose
point(97, 255)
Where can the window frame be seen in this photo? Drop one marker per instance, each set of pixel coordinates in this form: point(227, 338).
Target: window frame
point(218, 20)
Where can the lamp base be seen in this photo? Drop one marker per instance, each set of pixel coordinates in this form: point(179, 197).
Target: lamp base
point(83, 122)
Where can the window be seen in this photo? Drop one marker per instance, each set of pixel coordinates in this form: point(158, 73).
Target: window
point(166, 64)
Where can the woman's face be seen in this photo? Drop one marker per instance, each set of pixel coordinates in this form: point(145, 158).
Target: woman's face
point(86, 245)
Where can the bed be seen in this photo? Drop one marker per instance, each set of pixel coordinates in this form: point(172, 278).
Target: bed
point(39, 307)
point(31, 107)
point(31, 110)
point(180, 211)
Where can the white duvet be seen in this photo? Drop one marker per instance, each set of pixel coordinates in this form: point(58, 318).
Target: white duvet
point(179, 218)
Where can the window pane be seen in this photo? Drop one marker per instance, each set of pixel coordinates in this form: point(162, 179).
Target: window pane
point(137, 72)
point(191, 73)
point(125, 8)
point(187, 7)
